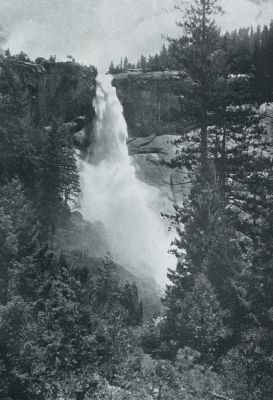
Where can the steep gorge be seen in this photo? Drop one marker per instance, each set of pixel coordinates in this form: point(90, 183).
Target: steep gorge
point(66, 91)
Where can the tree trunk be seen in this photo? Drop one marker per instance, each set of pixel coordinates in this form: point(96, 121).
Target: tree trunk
point(203, 80)
point(204, 139)
point(223, 164)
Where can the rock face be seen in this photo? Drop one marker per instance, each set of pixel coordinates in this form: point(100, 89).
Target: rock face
point(62, 89)
point(151, 105)
point(151, 101)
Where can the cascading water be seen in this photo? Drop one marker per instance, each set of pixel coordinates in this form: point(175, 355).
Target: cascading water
point(111, 193)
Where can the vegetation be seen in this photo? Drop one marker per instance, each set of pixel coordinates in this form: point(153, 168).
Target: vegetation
point(244, 51)
point(69, 329)
point(217, 302)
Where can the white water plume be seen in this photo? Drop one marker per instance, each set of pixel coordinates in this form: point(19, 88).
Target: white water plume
point(111, 193)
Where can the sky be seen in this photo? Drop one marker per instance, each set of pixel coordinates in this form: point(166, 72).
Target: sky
point(97, 31)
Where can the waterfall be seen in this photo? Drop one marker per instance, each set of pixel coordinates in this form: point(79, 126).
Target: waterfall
point(111, 193)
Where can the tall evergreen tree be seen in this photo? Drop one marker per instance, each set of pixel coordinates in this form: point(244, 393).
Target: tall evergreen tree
point(58, 177)
point(193, 52)
point(129, 298)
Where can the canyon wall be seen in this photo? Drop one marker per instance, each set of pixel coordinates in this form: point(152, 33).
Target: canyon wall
point(48, 88)
point(151, 101)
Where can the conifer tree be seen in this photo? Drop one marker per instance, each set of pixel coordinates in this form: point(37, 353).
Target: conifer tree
point(193, 52)
point(19, 232)
point(125, 63)
point(201, 321)
point(142, 62)
point(129, 298)
point(111, 67)
point(106, 284)
point(58, 177)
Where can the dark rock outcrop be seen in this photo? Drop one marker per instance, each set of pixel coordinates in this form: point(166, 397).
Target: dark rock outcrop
point(46, 89)
point(151, 101)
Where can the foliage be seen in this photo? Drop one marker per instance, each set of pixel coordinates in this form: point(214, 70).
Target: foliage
point(218, 301)
point(58, 180)
point(246, 51)
point(69, 329)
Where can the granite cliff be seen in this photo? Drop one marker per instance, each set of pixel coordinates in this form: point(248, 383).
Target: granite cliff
point(151, 101)
point(49, 88)
point(152, 109)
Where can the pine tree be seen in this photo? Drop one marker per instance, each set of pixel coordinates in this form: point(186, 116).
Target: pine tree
point(191, 246)
point(142, 62)
point(58, 177)
point(111, 67)
point(121, 64)
point(125, 63)
point(208, 244)
point(106, 284)
point(164, 61)
point(193, 52)
point(201, 321)
point(129, 298)
point(19, 232)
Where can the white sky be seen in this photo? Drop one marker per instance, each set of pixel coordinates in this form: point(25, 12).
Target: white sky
point(96, 31)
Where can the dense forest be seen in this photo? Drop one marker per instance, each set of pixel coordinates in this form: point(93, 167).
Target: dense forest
point(69, 328)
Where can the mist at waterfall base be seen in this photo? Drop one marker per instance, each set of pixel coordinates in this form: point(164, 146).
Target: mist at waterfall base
point(129, 209)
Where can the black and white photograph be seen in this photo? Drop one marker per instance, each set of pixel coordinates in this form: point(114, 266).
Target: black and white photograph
point(136, 199)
